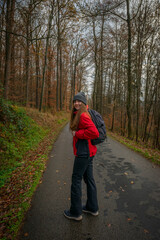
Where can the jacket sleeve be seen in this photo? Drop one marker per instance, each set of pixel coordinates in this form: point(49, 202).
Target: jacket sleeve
point(88, 129)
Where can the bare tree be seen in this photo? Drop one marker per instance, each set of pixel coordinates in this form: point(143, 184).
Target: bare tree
point(9, 27)
point(46, 52)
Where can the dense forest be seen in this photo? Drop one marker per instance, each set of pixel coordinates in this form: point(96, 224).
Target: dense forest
point(51, 49)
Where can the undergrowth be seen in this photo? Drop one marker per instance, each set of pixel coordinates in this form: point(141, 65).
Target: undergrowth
point(148, 152)
point(18, 134)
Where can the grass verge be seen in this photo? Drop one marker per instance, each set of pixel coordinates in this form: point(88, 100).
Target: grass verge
point(144, 150)
point(25, 153)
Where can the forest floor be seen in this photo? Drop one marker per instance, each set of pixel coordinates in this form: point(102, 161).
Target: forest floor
point(140, 147)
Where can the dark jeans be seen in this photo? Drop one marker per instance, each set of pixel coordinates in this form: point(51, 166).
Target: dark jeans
point(83, 167)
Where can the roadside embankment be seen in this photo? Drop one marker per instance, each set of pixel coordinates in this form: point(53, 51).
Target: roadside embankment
point(26, 138)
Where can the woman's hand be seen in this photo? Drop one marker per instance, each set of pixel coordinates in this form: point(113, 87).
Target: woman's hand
point(73, 133)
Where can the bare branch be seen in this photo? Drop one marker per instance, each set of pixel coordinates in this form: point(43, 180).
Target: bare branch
point(137, 10)
point(102, 12)
point(117, 15)
point(20, 35)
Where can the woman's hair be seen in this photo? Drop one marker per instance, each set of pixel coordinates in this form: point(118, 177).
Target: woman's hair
point(76, 117)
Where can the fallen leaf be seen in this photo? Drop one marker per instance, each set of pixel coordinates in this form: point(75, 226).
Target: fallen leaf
point(64, 183)
point(57, 171)
point(58, 182)
point(122, 189)
point(26, 234)
point(129, 219)
point(146, 231)
point(132, 182)
point(125, 173)
point(109, 193)
point(69, 198)
point(109, 225)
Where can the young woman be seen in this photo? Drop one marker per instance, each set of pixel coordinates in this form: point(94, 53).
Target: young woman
point(83, 130)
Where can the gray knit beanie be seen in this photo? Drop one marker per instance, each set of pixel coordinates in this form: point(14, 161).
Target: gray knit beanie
point(81, 97)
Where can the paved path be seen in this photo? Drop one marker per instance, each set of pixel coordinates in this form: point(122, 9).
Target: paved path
point(128, 191)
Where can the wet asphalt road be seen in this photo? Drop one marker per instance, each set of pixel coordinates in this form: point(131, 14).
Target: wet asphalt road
point(128, 188)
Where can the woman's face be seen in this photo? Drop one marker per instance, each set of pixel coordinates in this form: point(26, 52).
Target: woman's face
point(77, 104)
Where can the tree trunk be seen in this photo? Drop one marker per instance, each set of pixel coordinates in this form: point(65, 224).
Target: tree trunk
point(75, 68)
point(37, 74)
point(116, 79)
point(9, 26)
point(13, 84)
point(139, 71)
point(61, 80)
point(27, 66)
point(101, 64)
point(147, 113)
point(49, 83)
point(58, 50)
point(96, 67)
point(1, 27)
point(46, 53)
point(129, 90)
point(71, 77)
point(98, 89)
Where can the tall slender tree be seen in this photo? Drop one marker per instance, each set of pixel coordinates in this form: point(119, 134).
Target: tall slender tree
point(9, 27)
point(46, 52)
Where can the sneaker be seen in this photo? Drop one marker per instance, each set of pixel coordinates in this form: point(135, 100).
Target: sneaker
point(85, 210)
point(68, 215)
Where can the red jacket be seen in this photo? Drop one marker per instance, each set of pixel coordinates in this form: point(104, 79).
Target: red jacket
point(82, 140)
